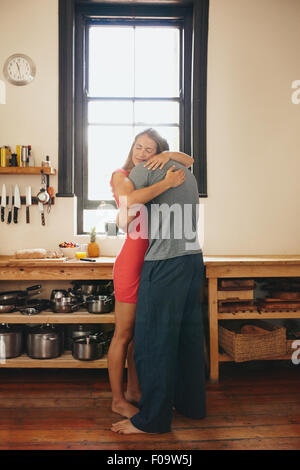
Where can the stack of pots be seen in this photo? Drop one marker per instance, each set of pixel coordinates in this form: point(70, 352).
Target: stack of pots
point(11, 341)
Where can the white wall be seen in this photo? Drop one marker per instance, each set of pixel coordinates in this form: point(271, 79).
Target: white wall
point(253, 137)
point(253, 128)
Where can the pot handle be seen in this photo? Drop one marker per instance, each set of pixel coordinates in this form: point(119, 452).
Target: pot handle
point(76, 307)
point(36, 287)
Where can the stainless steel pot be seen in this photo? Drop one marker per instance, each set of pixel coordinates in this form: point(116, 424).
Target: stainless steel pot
point(79, 331)
point(11, 341)
point(65, 305)
point(100, 304)
point(57, 294)
point(88, 348)
point(45, 342)
point(100, 287)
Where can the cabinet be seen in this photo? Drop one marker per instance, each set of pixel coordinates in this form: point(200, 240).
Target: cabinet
point(242, 267)
point(53, 271)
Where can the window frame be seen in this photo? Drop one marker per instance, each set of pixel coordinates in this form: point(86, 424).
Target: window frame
point(193, 137)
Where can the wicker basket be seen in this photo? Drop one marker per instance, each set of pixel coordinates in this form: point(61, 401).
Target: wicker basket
point(245, 347)
point(289, 349)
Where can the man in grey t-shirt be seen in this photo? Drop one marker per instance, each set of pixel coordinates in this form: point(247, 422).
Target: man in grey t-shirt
point(169, 353)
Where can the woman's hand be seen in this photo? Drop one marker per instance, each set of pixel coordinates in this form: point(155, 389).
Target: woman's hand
point(174, 177)
point(158, 161)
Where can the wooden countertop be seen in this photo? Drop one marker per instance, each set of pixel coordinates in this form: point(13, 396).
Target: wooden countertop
point(225, 260)
point(7, 261)
point(218, 260)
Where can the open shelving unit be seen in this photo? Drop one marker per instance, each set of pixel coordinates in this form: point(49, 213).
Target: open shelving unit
point(65, 361)
point(250, 267)
point(60, 271)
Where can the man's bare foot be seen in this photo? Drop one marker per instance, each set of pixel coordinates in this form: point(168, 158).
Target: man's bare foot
point(124, 408)
point(132, 397)
point(125, 427)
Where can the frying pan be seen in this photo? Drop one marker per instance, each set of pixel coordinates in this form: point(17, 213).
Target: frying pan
point(34, 306)
point(14, 296)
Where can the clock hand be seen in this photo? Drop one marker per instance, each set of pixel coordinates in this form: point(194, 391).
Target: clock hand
point(19, 70)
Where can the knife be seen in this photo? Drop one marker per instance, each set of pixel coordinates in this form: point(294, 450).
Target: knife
point(28, 203)
point(9, 205)
point(3, 202)
point(17, 203)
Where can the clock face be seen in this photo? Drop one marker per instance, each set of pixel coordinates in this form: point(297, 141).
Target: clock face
point(19, 69)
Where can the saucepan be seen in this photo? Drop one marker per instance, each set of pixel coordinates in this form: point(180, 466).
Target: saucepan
point(65, 305)
point(100, 303)
point(88, 348)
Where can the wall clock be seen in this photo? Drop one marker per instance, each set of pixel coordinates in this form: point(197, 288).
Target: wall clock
point(19, 69)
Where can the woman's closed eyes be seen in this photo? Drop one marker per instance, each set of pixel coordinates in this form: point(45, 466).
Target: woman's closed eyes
point(148, 149)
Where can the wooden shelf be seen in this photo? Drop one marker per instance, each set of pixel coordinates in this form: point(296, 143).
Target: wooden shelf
point(63, 362)
point(260, 316)
point(29, 170)
point(223, 357)
point(50, 317)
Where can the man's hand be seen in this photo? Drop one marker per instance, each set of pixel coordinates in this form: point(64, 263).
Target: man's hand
point(158, 161)
point(174, 177)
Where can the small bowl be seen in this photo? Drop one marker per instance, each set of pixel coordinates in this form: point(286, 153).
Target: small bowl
point(69, 252)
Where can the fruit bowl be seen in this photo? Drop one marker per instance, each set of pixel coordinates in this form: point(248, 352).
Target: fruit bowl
point(69, 250)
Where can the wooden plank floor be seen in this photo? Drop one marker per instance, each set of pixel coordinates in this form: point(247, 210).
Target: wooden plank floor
point(255, 406)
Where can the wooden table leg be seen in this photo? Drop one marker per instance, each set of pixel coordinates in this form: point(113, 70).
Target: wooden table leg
point(213, 329)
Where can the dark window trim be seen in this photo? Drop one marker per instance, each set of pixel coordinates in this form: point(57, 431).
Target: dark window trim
point(194, 140)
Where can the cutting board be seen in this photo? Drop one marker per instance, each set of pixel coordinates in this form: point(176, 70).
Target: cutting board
point(38, 260)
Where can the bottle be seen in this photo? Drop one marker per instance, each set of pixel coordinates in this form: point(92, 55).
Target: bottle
point(13, 160)
point(18, 149)
point(31, 161)
point(5, 156)
point(24, 156)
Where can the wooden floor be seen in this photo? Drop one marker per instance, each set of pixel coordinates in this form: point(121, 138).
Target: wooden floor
point(255, 406)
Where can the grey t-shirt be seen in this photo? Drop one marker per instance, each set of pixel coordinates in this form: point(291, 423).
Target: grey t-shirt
point(172, 216)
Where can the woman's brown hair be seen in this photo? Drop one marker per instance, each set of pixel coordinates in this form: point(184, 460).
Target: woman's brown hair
point(161, 146)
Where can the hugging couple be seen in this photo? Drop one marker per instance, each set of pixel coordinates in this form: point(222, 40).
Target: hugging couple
point(157, 280)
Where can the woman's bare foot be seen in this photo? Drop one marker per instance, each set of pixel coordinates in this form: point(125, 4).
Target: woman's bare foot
point(125, 427)
point(133, 397)
point(124, 408)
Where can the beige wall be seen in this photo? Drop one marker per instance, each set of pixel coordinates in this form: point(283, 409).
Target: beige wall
point(253, 128)
point(253, 143)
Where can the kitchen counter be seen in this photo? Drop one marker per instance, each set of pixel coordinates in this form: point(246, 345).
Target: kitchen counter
point(251, 267)
point(40, 270)
point(11, 261)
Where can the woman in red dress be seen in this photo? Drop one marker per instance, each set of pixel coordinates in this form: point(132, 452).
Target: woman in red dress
point(151, 148)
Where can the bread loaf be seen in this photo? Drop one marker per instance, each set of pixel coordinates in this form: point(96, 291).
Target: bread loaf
point(36, 253)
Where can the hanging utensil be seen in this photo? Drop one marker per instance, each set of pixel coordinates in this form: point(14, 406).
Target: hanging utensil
point(9, 205)
point(28, 203)
point(17, 203)
point(41, 209)
point(51, 192)
point(3, 202)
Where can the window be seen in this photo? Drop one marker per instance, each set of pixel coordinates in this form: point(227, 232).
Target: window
point(124, 68)
point(133, 82)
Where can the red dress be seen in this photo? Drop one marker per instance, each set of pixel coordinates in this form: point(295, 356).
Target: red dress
point(129, 262)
